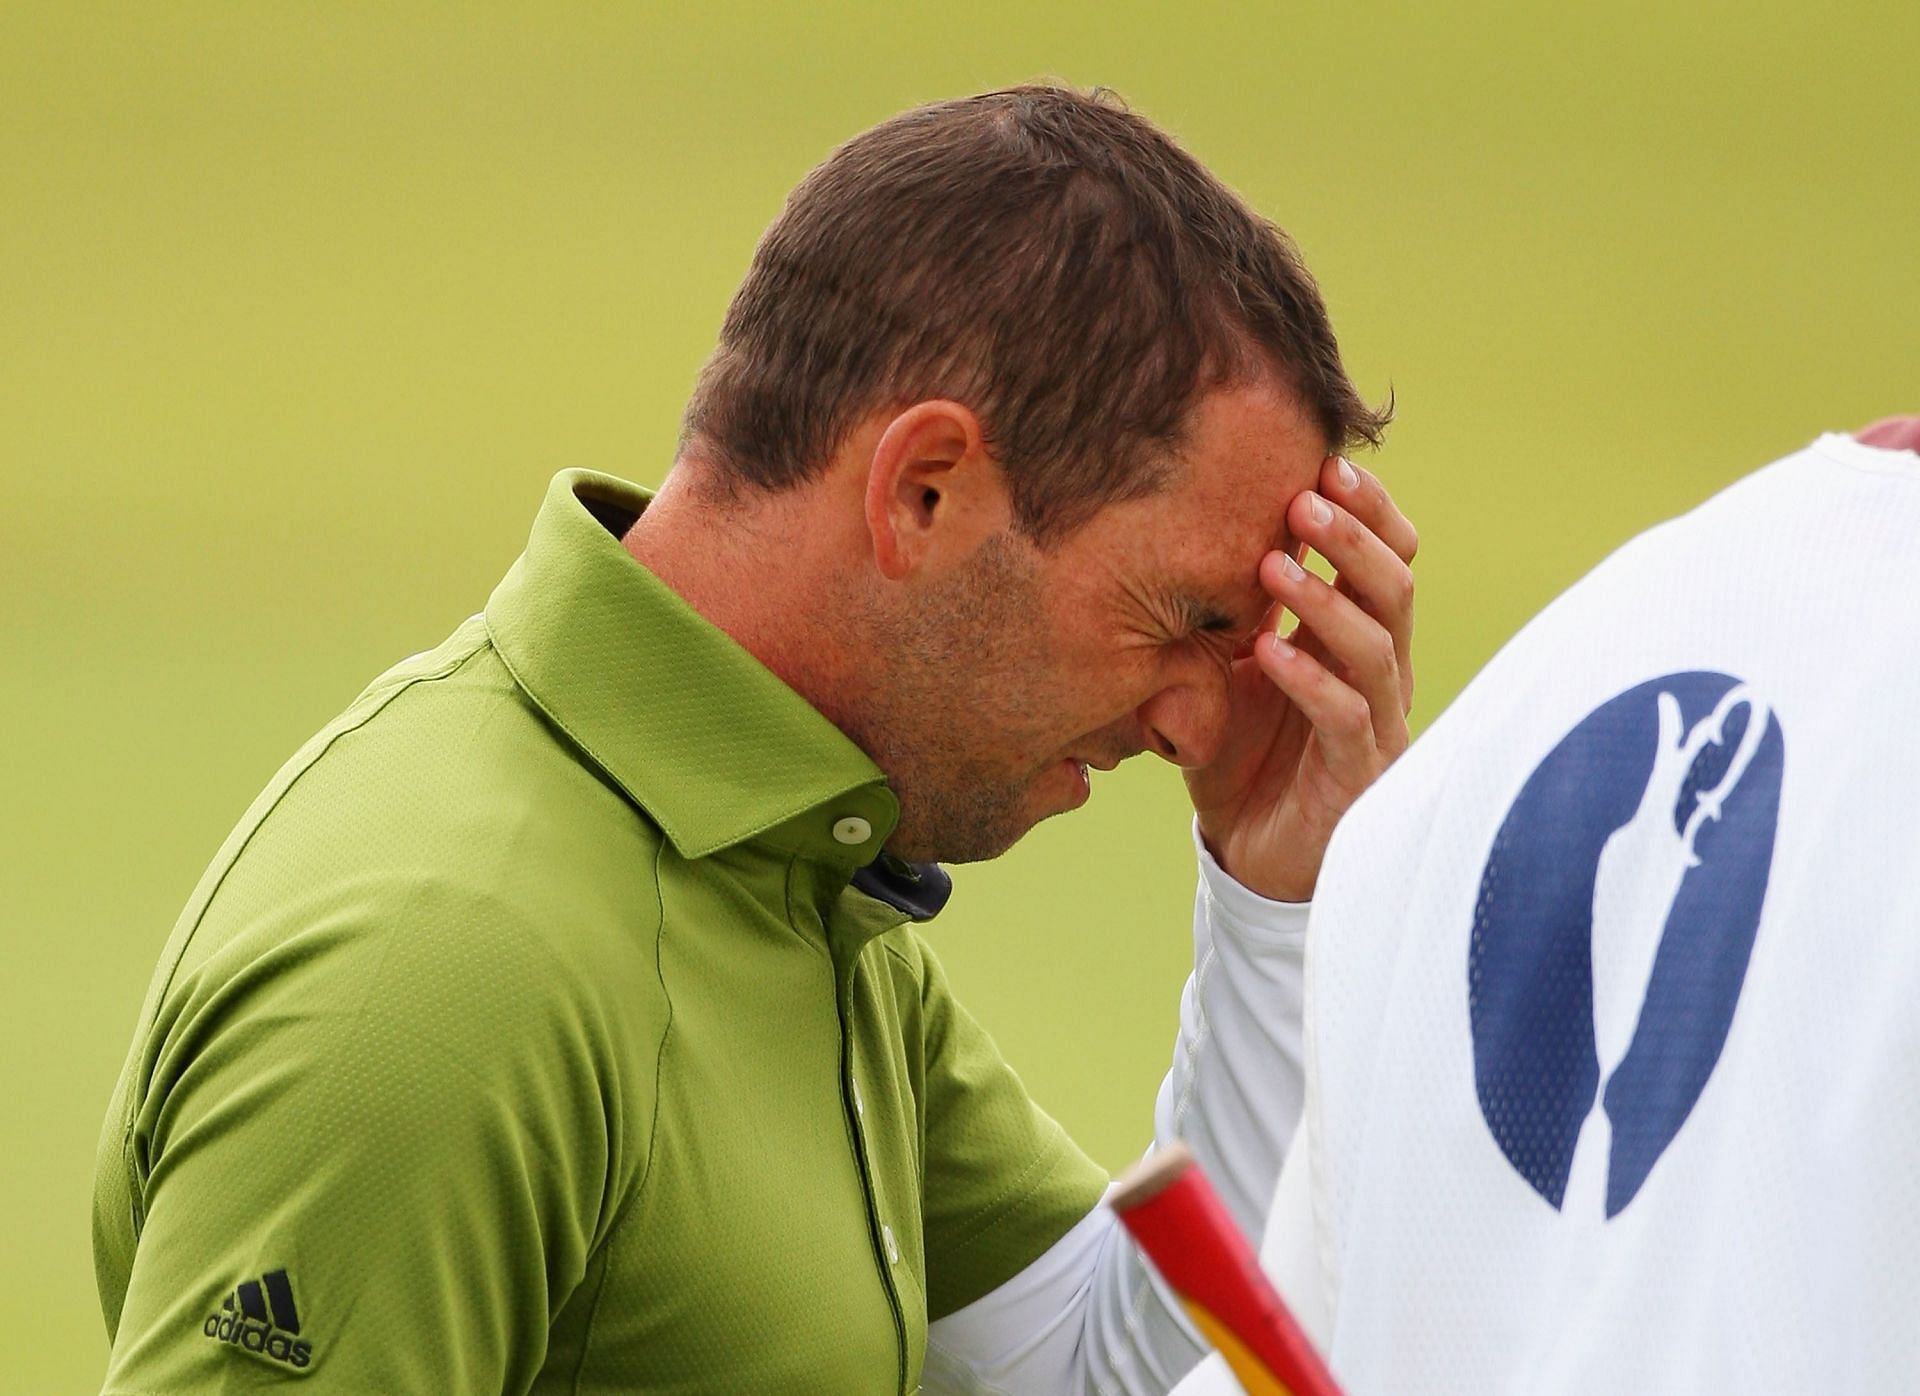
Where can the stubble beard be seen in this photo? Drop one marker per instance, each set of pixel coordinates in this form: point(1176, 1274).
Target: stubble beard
point(952, 685)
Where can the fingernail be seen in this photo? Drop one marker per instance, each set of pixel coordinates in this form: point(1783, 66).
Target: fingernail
point(1290, 569)
point(1282, 650)
point(1321, 511)
point(1349, 478)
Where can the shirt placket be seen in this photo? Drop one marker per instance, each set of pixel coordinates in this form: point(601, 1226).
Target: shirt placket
point(886, 1246)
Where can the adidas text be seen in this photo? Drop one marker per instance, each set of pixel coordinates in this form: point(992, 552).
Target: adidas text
point(243, 1320)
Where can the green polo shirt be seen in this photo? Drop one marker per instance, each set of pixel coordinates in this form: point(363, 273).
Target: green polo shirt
point(527, 1035)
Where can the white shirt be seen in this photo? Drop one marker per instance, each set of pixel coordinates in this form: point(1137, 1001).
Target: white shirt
point(1613, 983)
point(1090, 1315)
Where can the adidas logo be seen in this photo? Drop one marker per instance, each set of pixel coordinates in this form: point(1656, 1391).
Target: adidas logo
point(243, 1320)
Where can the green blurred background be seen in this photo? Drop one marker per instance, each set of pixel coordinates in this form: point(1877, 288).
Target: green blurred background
point(301, 305)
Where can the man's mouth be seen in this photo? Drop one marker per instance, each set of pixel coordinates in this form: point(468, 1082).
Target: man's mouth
point(1080, 769)
point(1078, 774)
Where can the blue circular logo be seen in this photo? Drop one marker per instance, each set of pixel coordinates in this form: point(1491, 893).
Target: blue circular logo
point(1611, 936)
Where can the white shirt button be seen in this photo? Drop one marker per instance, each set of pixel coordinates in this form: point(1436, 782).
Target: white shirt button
point(893, 1250)
point(851, 829)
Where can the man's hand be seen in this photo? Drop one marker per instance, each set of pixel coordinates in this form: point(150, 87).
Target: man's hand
point(1892, 434)
point(1318, 715)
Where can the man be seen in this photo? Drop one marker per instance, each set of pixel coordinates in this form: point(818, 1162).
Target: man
point(1615, 1060)
point(554, 1021)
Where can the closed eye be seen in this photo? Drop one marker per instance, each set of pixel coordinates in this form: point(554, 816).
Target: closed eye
point(1198, 615)
point(1212, 630)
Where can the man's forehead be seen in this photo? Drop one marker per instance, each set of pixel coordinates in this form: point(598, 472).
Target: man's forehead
point(1211, 563)
point(1233, 529)
point(1258, 427)
point(1237, 494)
point(1249, 453)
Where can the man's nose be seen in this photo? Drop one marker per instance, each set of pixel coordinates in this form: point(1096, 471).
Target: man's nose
point(1187, 721)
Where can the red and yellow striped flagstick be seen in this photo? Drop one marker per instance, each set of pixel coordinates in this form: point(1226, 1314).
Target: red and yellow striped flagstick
point(1172, 1211)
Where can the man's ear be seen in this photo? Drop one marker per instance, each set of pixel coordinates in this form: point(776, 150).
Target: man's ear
point(933, 490)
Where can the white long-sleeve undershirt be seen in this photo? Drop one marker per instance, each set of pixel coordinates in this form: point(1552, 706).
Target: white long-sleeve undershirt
point(1090, 1315)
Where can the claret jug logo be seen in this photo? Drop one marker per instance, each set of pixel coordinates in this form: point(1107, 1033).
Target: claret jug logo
point(1616, 916)
point(245, 1322)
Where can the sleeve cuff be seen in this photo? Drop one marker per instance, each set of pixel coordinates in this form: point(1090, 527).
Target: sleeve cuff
point(1244, 910)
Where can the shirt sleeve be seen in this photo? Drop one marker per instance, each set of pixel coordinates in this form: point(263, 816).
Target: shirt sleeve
point(1091, 1315)
point(1003, 1180)
point(377, 1156)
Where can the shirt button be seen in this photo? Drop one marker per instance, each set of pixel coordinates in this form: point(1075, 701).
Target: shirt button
point(859, 1105)
point(893, 1250)
point(852, 829)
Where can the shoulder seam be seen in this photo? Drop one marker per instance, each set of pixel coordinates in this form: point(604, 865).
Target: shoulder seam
point(159, 994)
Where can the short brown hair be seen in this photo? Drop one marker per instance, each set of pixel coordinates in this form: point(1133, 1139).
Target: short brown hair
point(1043, 255)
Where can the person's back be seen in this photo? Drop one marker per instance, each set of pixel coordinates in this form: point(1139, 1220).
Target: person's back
point(1614, 1066)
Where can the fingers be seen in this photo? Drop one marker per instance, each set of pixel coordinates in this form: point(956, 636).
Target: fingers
point(1892, 434)
point(1342, 720)
point(1372, 572)
point(1361, 494)
point(1352, 645)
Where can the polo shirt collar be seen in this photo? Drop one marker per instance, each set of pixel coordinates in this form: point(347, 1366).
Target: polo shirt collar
point(695, 730)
